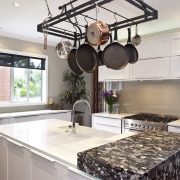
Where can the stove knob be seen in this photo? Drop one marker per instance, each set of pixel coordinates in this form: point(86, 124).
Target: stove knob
point(146, 127)
point(155, 128)
point(150, 127)
point(132, 124)
point(139, 125)
point(135, 125)
point(143, 126)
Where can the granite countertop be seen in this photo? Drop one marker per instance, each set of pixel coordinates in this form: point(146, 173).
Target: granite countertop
point(143, 156)
point(30, 113)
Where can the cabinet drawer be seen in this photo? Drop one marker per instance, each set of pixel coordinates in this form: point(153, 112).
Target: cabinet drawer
point(109, 128)
point(107, 121)
point(173, 129)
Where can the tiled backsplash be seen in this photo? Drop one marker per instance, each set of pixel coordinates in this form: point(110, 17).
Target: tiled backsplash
point(161, 97)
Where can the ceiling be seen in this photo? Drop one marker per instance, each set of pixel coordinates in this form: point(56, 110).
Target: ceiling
point(21, 22)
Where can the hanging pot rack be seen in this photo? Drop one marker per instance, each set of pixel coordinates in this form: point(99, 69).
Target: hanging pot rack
point(148, 14)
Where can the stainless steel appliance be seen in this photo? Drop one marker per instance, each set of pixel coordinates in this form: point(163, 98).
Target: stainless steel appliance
point(142, 121)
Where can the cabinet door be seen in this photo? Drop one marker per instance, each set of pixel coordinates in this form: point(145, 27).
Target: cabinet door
point(175, 44)
point(20, 119)
point(3, 159)
point(62, 116)
point(46, 168)
point(150, 68)
point(41, 168)
point(173, 129)
point(74, 174)
point(106, 74)
point(175, 67)
point(3, 121)
point(154, 48)
point(16, 161)
point(107, 124)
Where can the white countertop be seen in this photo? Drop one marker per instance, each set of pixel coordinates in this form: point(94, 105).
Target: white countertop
point(50, 138)
point(29, 113)
point(111, 115)
point(174, 123)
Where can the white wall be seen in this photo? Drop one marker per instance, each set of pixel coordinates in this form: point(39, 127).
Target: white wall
point(56, 68)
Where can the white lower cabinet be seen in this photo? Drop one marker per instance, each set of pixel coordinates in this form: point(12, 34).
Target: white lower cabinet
point(107, 124)
point(174, 66)
point(3, 159)
point(17, 157)
point(17, 162)
point(43, 167)
point(62, 116)
point(175, 129)
point(75, 175)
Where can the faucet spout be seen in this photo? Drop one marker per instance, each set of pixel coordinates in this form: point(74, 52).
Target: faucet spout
point(73, 112)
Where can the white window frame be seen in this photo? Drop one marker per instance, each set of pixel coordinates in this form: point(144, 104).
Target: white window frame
point(44, 74)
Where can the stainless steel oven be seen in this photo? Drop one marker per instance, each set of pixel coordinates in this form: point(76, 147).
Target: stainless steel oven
point(146, 121)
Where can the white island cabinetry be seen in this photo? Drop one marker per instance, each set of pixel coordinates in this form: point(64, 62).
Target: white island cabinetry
point(47, 149)
point(174, 126)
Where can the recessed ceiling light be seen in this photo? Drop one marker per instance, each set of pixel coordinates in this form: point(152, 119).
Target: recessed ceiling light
point(15, 4)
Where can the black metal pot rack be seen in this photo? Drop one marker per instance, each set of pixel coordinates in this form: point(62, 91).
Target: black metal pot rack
point(148, 14)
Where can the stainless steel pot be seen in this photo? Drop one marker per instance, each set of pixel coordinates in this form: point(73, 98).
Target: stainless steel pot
point(63, 48)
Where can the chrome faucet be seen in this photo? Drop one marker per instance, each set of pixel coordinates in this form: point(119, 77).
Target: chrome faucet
point(73, 113)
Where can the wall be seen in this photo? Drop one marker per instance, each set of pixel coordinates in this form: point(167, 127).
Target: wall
point(56, 68)
point(161, 97)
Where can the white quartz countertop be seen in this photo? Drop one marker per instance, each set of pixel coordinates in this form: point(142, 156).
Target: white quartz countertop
point(174, 123)
point(30, 113)
point(54, 138)
point(116, 116)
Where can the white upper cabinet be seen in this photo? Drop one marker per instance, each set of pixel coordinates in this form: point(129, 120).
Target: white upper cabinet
point(175, 44)
point(150, 68)
point(106, 74)
point(154, 48)
point(175, 67)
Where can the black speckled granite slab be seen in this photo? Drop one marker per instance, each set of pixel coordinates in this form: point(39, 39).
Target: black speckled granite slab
point(150, 155)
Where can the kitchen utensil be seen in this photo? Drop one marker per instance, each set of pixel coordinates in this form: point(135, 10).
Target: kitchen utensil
point(98, 32)
point(72, 59)
point(100, 55)
point(87, 58)
point(136, 40)
point(115, 55)
point(132, 51)
point(45, 32)
point(63, 48)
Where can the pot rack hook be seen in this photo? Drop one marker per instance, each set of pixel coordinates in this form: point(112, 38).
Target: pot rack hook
point(115, 17)
point(97, 10)
point(86, 19)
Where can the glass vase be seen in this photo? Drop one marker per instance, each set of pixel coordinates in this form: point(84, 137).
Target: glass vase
point(110, 108)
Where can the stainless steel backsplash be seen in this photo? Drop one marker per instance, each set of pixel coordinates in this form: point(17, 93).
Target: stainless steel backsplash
point(160, 96)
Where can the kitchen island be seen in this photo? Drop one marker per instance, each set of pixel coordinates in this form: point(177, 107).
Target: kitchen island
point(150, 155)
point(47, 149)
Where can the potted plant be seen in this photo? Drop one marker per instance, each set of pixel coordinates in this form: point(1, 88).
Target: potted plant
point(76, 89)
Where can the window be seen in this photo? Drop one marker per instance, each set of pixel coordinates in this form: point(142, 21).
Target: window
point(23, 79)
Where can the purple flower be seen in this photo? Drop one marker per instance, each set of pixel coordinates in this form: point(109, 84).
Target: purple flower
point(110, 97)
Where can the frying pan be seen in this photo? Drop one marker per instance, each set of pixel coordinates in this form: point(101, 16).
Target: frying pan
point(132, 51)
point(86, 57)
point(115, 55)
point(72, 59)
point(100, 53)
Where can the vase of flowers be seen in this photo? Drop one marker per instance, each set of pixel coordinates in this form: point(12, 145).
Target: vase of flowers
point(110, 97)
